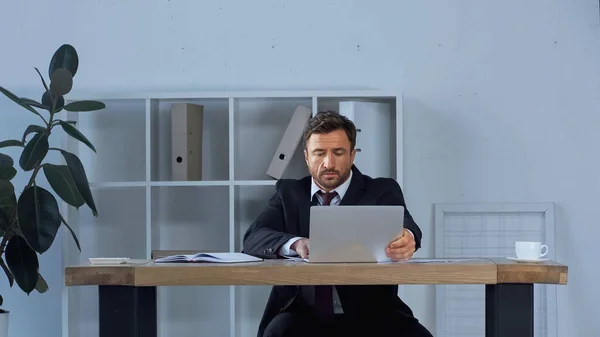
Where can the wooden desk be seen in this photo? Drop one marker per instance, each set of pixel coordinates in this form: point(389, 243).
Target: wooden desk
point(127, 293)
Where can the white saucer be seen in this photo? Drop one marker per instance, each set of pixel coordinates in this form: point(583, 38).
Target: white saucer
point(516, 259)
point(108, 260)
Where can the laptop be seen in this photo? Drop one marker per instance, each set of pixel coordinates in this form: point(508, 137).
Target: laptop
point(353, 233)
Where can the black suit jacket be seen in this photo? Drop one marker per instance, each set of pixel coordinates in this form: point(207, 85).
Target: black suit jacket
point(287, 216)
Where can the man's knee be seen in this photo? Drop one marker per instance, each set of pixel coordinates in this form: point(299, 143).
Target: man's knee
point(285, 325)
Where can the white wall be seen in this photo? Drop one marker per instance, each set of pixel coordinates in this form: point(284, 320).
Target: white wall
point(501, 99)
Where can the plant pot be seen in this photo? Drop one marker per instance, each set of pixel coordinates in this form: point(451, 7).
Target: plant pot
point(3, 323)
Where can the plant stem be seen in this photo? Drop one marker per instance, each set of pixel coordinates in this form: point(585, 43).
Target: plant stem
point(5, 239)
point(33, 175)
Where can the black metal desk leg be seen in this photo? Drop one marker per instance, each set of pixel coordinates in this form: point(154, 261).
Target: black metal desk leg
point(127, 311)
point(509, 310)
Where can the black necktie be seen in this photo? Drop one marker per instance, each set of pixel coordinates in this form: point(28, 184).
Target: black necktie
point(327, 197)
point(324, 294)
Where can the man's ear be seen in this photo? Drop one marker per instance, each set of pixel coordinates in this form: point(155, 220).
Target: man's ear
point(352, 155)
point(306, 156)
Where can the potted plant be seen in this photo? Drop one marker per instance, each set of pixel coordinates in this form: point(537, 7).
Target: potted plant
point(29, 221)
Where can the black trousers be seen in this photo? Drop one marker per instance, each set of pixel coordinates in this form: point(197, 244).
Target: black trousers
point(303, 323)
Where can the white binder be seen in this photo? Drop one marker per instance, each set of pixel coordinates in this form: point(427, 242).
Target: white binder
point(373, 122)
point(186, 141)
point(289, 142)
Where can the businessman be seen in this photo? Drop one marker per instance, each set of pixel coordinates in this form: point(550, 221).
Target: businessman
point(282, 229)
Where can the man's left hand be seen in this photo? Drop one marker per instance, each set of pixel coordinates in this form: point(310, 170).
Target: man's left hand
point(402, 248)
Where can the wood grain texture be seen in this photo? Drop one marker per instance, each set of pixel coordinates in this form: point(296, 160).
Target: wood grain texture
point(286, 272)
point(280, 272)
point(548, 272)
point(118, 274)
point(100, 275)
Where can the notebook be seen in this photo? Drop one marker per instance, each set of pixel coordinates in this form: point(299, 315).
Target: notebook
point(211, 257)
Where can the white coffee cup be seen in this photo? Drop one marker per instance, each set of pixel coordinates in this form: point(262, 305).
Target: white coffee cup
point(529, 250)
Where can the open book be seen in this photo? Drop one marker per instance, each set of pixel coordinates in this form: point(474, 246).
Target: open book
point(211, 257)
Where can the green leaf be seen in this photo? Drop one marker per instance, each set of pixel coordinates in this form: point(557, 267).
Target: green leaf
point(32, 103)
point(72, 232)
point(62, 183)
point(35, 151)
point(7, 170)
point(7, 173)
point(73, 132)
point(11, 142)
point(39, 219)
point(23, 263)
point(41, 286)
point(17, 100)
point(8, 199)
point(4, 222)
point(32, 129)
point(6, 189)
point(82, 106)
point(10, 95)
point(78, 173)
point(58, 121)
point(61, 82)
point(64, 57)
point(6, 160)
point(47, 101)
point(42, 79)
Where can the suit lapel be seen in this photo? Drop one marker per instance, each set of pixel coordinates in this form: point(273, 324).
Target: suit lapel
point(355, 190)
point(304, 208)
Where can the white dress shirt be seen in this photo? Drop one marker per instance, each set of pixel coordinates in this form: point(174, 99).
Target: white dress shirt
point(287, 251)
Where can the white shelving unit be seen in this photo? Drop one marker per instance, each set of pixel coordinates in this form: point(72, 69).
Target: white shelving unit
point(141, 210)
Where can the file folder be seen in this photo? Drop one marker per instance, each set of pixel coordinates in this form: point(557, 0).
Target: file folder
point(289, 142)
point(186, 141)
point(373, 121)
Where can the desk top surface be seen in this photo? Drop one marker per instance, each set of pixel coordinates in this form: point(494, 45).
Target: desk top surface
point(288, 272)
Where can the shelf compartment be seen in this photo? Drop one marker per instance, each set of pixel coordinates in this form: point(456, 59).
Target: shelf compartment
point(118, 134)
point(214, 135)
point(123, 224)
point(118, 231)
point(249, 202)
point(190, 218)
point(259, 125)
point(186, 219)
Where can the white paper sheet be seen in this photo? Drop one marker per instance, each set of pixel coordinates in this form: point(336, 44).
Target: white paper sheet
point(437, 260)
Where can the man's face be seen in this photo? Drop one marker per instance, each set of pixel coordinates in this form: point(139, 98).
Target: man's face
point(329, 158)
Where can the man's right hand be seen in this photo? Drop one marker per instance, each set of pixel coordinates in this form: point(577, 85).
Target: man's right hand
point(301, 247)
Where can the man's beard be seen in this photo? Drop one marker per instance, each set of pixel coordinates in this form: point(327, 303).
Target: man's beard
point(333, 181)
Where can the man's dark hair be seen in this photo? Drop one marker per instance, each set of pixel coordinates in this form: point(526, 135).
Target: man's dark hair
point(329, 121)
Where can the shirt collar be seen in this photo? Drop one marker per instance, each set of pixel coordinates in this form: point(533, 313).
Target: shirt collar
point(341, 190)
